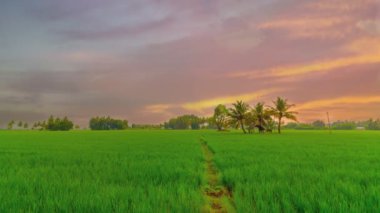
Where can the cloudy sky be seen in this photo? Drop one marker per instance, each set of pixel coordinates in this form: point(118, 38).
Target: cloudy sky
point(148, 60)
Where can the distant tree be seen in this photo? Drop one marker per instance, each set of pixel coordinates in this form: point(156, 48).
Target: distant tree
point(221, 117)
point(39, 125)
point(147, 126)
point(291, 125)
point(10, 124)
point(318, 124)
point(26, 125)
point(298, 126)
point(178, 123)
point(185, 122)
point(42, 125)
point(50, 123)
point(372, 124)
point(238, 114)
point(281, 110)
point(344, 125)
point(304, 126)
point(20, 124)
point(77, 127)
point(57, 124)
point(107, 123)
point(211, 123)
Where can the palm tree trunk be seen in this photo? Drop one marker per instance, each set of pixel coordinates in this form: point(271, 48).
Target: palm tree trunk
point(242, 127)
point(279, 125)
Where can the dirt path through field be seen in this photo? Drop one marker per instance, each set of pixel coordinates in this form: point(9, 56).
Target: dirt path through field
point(219, 198)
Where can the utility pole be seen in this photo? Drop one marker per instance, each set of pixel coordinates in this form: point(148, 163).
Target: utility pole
point(328, 120)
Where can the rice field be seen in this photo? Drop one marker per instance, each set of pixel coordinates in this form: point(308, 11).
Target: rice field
point(301, 171)
point(189, 171)
point(100, 172)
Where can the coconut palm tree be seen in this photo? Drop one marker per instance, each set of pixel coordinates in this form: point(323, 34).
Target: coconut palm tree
point(281, 110)
point(262, 116)
point(238, 114)
point(250, 122)
point(270, 125)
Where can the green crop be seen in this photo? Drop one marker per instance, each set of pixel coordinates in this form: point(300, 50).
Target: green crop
point(100, 172)
point(189, 171)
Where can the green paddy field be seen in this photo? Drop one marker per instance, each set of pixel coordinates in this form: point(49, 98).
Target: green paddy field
point(189, 171)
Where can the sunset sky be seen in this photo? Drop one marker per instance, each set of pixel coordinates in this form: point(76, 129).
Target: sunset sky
point(149, 60)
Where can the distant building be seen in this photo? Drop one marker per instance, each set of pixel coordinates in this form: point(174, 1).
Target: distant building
point(360, 128)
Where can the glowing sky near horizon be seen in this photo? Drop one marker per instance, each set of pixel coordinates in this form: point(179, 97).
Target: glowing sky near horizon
point(149, 60)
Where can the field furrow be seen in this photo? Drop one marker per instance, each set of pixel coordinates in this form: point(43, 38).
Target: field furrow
point(219, 198)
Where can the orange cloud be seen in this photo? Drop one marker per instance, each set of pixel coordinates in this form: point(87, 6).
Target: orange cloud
point(302, 23)
point(158, 108)
point(323, 19)
point(325, 66)
point(367, 51)
point(201, 105)
point(338, 101)
point(341, 108)
point(340, 5)
point(311, 27)
point(364, 46)
point(209, 103)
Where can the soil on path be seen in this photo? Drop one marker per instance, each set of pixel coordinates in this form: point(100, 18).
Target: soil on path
point(219, 198)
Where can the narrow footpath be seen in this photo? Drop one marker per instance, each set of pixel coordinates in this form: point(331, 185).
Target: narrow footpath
point(219, 198)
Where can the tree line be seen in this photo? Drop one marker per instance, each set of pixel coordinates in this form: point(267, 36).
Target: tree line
point(370, 124)
point(260, 117)
point(65, 124)
point(241, 116)
point(107, 123)
point(185, 122)
point(54, 124)
point(20, 125)
point(95, 123)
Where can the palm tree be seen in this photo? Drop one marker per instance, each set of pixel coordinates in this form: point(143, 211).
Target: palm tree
point(250, 121)
point(262, 116)
point(281, 110)
point(270, 125)
point(238, 113)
